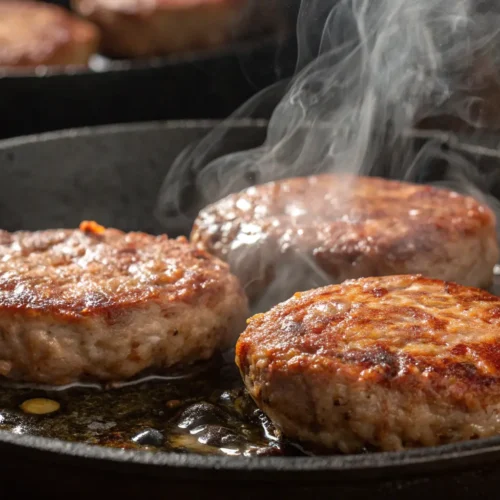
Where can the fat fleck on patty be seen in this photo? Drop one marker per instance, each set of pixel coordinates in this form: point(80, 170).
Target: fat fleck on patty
point(103, 304)
point(392, 363)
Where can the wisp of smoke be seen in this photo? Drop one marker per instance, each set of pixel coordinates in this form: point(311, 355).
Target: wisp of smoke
point(367, 71)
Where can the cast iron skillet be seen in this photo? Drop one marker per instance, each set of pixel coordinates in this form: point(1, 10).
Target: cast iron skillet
point(112, 174)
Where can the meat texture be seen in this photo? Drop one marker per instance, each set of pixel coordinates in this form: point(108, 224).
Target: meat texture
point(301, 233)
point(96, 303)
point(383, 363)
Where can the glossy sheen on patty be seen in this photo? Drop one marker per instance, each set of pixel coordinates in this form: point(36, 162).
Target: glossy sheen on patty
point(392, 362)
point(104, 304)
point(37, 33)
point(301, 233)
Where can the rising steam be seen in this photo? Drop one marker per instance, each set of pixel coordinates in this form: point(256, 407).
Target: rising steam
point(368, 71)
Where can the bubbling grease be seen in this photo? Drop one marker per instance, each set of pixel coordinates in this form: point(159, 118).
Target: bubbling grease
point(203, 409)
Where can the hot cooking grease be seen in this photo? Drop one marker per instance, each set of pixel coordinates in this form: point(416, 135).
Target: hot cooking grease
point(206, 411)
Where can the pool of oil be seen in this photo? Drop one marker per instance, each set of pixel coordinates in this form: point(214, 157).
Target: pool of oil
point(204, 410)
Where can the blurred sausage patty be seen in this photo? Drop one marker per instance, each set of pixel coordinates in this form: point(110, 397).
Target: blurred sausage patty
point(142, 28)
point(301, 233)
point(37, 33)
point(103, 304)
point(392, 362)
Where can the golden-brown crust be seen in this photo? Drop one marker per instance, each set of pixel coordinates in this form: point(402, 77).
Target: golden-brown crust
point(399, 332)
point(140, 28)
point(77, 274)
point(36, 33)
point(345, 224)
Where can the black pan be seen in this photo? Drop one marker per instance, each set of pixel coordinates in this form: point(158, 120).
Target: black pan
point(113, 175)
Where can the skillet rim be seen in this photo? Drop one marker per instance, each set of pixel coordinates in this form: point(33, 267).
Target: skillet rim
point(449, 457)
point(131, 127)
point(114, 66)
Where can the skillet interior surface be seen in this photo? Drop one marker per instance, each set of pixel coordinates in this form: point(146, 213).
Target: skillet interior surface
point(112, 174)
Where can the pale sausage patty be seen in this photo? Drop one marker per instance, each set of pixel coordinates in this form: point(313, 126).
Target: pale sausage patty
point(301, 233)
point(100, 303)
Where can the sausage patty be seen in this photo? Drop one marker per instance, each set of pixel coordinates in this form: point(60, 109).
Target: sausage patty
point(301, 233)
point(36, 33)
point(103, 304)
point(392, 362)
point(140, 28)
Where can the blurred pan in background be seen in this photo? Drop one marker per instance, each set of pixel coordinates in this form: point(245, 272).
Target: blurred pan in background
point(205, 84)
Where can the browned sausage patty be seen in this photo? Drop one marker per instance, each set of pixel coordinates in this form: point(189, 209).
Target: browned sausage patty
point(36, 33)
point(302, 233)
point(101, 303)
point(392, 362)
point(139, 28)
